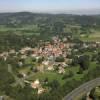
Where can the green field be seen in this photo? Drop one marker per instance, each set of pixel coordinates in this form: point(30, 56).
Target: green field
point(95, 37)
point(51, 75)
point(25, 30)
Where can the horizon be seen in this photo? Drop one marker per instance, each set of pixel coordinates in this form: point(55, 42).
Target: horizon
point(77, 12)
point(51, 6)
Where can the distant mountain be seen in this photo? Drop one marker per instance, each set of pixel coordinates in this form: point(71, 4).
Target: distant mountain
point(71, 12)
point(78, 12)
point(87, 12)
point(64, 11)
point(22, 18)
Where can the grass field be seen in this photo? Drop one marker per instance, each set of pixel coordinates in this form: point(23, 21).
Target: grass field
point(25, 30)
point(52, 75)
point(95, 37)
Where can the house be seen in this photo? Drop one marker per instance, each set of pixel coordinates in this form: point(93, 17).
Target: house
point(61, 70)
point(23, 56)
point(20, 63)
point(50, 68)
point(33, 55)
point(46, 63)
point(41, 68)
point(35, 84)
point(85, 45)
point(23, 50)
point(12, 51)
point(41, 90)
point(64, 65)
point(24, 75)
point(4, 55)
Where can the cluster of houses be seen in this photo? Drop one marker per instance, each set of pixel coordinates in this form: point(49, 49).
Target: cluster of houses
point(49, 50)
point(56, 48)
point(91, 45)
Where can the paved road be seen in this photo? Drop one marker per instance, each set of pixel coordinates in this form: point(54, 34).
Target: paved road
point(85, 88)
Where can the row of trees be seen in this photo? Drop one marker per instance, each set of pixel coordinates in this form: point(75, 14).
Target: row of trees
point(10, 41)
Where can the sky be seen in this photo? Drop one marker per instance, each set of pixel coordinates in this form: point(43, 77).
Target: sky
point(48, 5)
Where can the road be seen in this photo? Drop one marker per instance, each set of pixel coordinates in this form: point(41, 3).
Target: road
point(85, 88)
point(18, 80)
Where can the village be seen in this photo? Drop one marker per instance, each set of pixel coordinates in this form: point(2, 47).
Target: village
point(47, 56)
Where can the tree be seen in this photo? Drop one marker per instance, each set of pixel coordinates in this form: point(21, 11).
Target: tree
point(40, 60)
point(68, 75)
point(84, 62)
point(75, 60)
point(80, 71)
point(59, 59)
point(98, 57)
point(46, 80)
point(54, 84)
point(92, 94)
point(6, 78)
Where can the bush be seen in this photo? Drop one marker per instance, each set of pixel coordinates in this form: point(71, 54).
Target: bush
point(59, 59)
